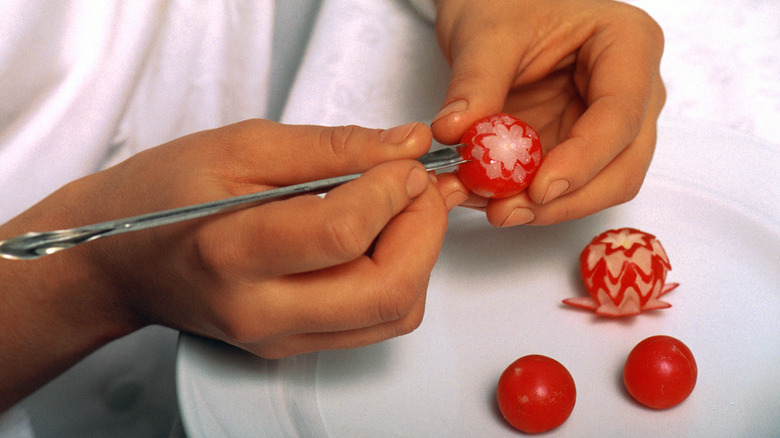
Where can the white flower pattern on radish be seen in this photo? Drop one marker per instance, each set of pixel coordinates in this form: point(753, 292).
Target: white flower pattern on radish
point(505, 154)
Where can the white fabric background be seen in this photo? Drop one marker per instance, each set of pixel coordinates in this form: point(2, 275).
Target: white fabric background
point(85, 84)
point(721, 63)
point(178, 66)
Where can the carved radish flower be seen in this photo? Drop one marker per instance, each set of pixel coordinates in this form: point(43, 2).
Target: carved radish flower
point(624, 271)
point(505, 153)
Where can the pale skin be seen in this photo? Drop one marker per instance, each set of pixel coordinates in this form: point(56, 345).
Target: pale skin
point(583, 73)
point(284, 278)
point(353, 269)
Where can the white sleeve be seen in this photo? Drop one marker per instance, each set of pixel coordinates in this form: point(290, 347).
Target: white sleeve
point(87, 84)
point(426, 8)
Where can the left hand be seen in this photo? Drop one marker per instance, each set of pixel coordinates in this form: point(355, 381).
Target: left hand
point(583, 73)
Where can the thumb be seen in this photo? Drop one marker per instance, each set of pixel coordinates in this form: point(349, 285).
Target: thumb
point(483, 70)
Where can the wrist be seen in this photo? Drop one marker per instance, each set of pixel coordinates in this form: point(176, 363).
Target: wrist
point(54, 310)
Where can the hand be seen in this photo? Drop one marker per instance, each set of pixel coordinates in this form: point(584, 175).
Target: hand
point(583, 73)
point(307, 273)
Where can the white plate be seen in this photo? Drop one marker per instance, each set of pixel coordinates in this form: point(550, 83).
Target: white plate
point(712, 199)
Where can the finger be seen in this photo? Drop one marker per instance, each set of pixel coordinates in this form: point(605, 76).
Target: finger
point(617, 74)
point(384, 288)
point(483, 68)
point(617, 183)
point(310, 232)
point(452, 190)
point(300, 343)
point(278, 154)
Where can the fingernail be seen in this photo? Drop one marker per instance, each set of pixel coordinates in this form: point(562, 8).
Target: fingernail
point(417, 182)
point(519, 216)
point(454, 199)
point(452, 107)
point(555, 189)
point(396, 135)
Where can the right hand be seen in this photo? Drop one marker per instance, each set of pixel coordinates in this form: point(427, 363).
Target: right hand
point(297, 275)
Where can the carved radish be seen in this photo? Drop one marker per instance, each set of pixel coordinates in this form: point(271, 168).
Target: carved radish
point(505, 153)
point(624, 271)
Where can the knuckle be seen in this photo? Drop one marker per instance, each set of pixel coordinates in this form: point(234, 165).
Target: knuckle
point(253, 124)
point(235, 328)
point(274, 351)
point(346, 236)
point(399, 299)
point(660, 91)
point(237, 332)
point(566, 214)
point(641, 20)
point(657, 32)
point(217, 255)
point(234, 316)
point(251, 128)
point(633, 115)
point(654, 29)
point(389, 200)
point(210, 256)
point(630, 188)
point(335, 141)
point(410, 323)
point(558, 212)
